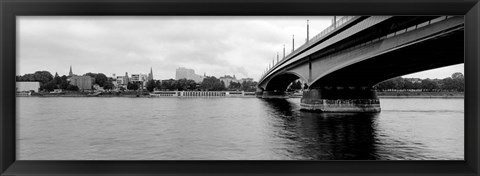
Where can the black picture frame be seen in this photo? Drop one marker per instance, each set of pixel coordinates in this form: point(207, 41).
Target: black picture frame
point(9, 9)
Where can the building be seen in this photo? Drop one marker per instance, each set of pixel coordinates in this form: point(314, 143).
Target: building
point(27, 86)
point(139, 79)
point(70, 73)
point(126, 79)
point(185, 73)
point(144, 78)
point(135, 78)
point(121, 80)
point(227, 80)
point(150, 75)
point(246, 80)
point(82, 82)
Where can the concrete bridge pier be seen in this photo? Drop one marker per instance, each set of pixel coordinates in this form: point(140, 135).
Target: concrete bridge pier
point(340, 99)
point(259, 93)
point(275, 94)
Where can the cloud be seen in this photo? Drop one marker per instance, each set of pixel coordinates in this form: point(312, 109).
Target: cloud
point(243, 46)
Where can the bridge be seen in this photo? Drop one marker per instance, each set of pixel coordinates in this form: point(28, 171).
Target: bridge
point(341, 65)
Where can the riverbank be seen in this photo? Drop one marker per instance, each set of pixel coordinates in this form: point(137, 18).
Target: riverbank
point(147, 95)
point(421, 94)
point(133, 94)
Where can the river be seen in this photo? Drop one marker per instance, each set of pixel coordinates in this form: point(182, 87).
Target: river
point(219, 128)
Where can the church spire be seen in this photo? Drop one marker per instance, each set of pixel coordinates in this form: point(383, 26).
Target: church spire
point(70, 73)
point(150, 76)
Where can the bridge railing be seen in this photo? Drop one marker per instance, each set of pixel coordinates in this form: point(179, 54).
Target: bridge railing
point(314, 39)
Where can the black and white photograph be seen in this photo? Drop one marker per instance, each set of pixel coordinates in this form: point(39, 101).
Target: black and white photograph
point(240, 88)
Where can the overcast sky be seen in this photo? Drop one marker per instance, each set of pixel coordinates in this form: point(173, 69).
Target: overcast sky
point(241, 46)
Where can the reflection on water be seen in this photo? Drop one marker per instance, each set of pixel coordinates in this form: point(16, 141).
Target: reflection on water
point(327, 136)
point(235, 129)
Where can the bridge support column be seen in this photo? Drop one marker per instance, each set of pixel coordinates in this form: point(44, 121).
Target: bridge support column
point(340, 99)
point(259, 93)
point(274, 94)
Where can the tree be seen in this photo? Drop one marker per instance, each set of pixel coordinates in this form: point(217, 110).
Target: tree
point(50, 86)
point(132, 86)
point(235, 86)
point(221, 87)
point(429, 85)
point(72, 87)
point(57, 80)
point(42, 76)
point(458, 81)
point(210, 83)
point(168, 84)
point(99, 78)
point(385, 85)
point(158, 84)
point(108, 85)
point(191, 85)
point(151, 85)
point(457, 75)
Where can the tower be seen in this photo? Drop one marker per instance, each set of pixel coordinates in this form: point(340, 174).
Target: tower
point(150, 75)
point(70, 74)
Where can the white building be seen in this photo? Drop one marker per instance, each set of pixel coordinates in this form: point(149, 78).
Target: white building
point(185, 73)
point(27, 86)
point(139, 78)
point(120, 80)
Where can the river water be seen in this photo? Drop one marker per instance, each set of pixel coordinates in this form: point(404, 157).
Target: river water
point(201, 128)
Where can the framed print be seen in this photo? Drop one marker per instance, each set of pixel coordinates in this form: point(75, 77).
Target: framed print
point(239, 88)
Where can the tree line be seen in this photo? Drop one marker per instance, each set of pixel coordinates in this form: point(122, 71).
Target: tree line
point(48, 82)
point(210, 83)
point(455, 83)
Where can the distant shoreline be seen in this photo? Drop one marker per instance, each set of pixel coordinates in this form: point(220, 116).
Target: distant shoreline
point(421, 97)
point(421, 94)
point(379, 94)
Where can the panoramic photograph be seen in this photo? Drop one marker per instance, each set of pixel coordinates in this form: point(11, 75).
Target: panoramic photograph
point(240, 88)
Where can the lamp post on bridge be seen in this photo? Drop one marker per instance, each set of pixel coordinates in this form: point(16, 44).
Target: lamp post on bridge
point(277, 57)
point(293, 43)
point(308, 38)
point(284, 51)
point(334, 22)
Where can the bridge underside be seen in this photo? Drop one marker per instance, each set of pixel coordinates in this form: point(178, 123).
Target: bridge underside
point(343, 81)
point(422, 56)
